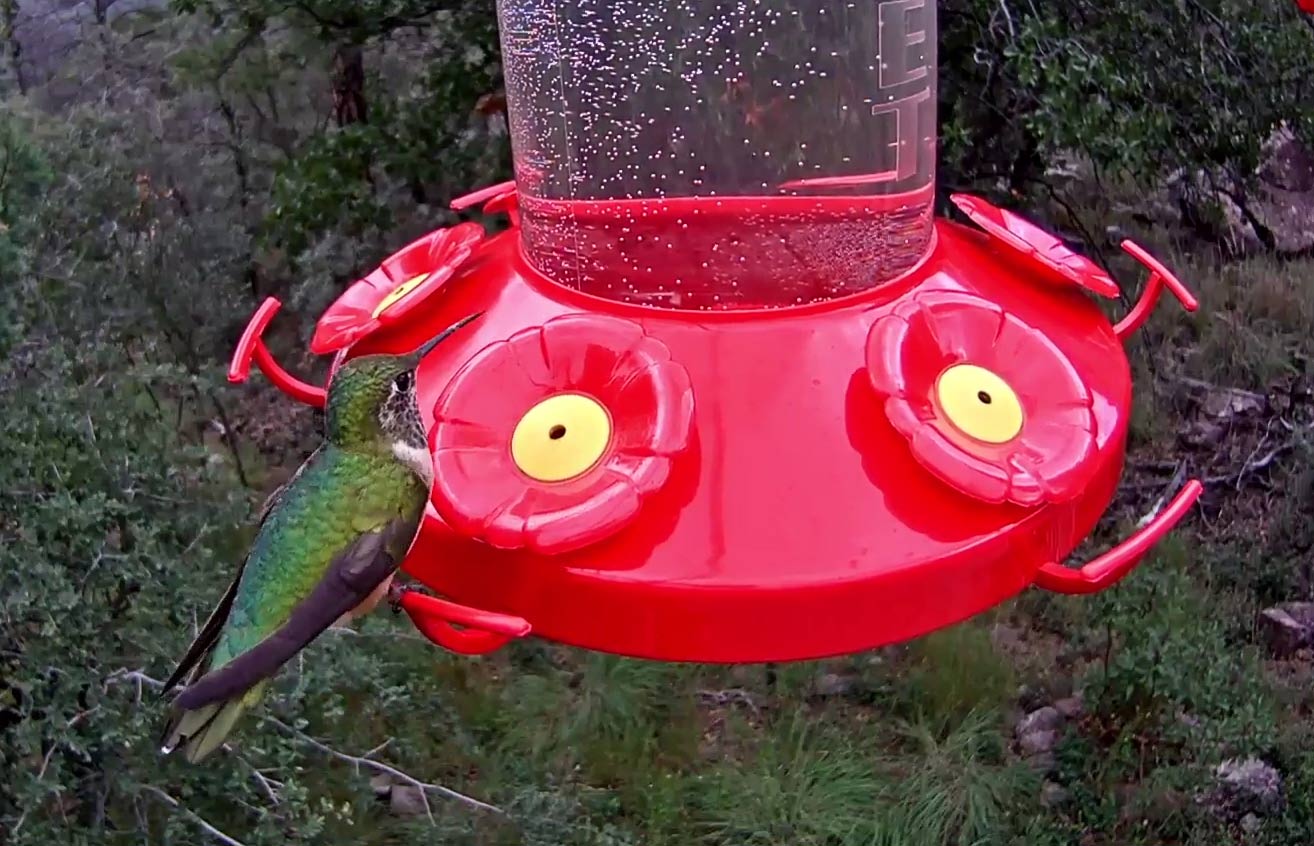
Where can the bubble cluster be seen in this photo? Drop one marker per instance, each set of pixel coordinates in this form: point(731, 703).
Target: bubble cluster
point(633, 100)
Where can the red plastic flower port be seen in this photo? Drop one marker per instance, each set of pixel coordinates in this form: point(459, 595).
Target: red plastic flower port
point(988, 403)
point(551, 439)
point(395, 287)
point(1049, 256)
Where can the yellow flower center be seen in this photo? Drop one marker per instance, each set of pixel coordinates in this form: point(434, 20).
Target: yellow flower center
point(396, 294)
point(561, 437)
point(979, 403)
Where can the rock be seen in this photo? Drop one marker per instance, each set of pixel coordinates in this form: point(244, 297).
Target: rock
point(1039, 720)
point(1043, 763)
point(407, 801)
point(1203, 434)
point(1072, 707)
point(1227, 404)
point(1251, 823)
point(1244, 787)
point(1029, 698)
point(1286, 197)
point(1274, 210)
point(1053, 795)
point(1287, 628)
point(1038, 742)
point(1038, 732)
point(1288, 164)
point(834, 684)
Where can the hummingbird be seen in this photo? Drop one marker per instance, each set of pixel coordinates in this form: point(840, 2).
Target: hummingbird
point(327, 546)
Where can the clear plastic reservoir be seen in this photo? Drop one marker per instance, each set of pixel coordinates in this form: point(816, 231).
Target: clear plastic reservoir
point(706, 154)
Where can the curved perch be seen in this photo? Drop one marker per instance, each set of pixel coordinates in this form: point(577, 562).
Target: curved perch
point(501, 197)
point(1123, 558)
point(1159, 277)
point(252, 346)
point(482, 632)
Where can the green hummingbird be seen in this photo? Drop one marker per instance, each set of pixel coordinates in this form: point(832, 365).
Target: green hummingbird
point(327, 547)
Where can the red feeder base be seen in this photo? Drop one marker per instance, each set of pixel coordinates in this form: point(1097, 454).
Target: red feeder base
point(777, 484)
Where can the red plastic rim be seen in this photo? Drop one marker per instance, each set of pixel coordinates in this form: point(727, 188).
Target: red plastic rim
point(382, 298)
point(819, 207)
point(1049, 255)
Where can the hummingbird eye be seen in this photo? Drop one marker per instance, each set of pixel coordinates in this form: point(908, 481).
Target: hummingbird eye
point(403, 381)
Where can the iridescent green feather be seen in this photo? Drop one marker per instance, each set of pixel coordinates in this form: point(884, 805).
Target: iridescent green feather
point(339, 495)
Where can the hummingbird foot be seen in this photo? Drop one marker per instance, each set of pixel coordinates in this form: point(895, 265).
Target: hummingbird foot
point(395, 594)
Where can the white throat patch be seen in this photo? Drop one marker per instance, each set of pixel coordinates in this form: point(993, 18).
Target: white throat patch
point(416, 458)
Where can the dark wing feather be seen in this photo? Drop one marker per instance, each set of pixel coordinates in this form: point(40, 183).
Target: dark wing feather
point(351, 577)
point(203, 644)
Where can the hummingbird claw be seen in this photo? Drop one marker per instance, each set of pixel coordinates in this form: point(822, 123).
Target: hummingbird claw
point(395, 594)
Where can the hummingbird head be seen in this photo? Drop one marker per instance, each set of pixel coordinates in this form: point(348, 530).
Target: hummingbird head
point(372, 405)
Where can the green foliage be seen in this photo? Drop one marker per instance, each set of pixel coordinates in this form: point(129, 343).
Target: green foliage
point(962, 789)
point(1170, 693)
point(202, 162)
point(100, 503)
point(1172, 668)
point(953, 673)
point(807, 785)
point(425, 142)
point(24, 174)
point(1137, 89)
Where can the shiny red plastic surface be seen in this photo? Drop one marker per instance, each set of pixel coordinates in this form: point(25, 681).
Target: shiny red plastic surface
point(478, 488)
point(1119, 561)
point(763, 494)
point(1049, 255)
point(402, 283)
point(481, 631)
point(252, 347)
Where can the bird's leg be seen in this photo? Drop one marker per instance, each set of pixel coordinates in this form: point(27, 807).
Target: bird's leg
point(395, 594)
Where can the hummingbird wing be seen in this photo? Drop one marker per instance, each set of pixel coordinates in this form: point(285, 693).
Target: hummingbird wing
point(352, 576)
point(203, 644)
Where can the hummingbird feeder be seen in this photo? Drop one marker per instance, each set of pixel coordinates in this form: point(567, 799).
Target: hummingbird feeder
point(737, 395)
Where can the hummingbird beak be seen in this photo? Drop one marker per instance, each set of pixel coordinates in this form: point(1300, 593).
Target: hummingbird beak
point(428, 346)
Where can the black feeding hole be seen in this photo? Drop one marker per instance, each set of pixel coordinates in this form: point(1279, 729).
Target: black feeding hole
point(557, 432)
point(985, 398)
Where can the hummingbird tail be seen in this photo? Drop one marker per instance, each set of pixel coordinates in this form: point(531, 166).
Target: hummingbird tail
point(202, 731)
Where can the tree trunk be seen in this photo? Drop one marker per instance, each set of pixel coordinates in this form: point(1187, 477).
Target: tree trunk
point(349, 85)
point(9, 41)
